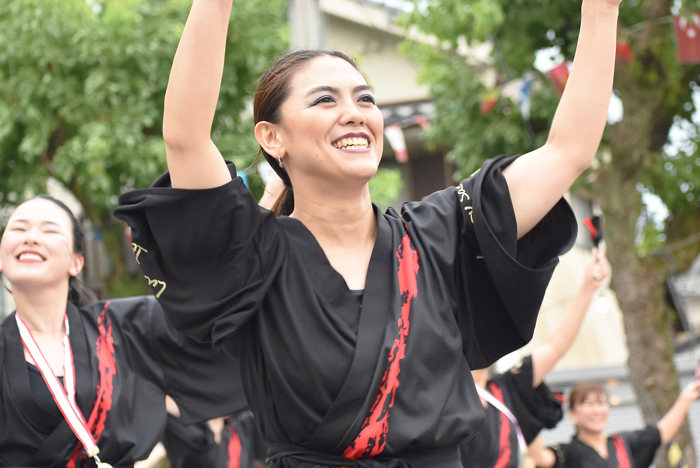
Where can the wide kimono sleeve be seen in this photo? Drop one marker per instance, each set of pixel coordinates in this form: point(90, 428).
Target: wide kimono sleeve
point(534, 408)
point(496, 281)
point(642, 445)
point(209, 255)
point(205, 384)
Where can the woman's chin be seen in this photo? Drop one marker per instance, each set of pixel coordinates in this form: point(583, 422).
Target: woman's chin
point(363, 170)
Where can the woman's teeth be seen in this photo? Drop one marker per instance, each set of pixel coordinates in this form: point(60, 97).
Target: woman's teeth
point(30, 256)
point(359, 143)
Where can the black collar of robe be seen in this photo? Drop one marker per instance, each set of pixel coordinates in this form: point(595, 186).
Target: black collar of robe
point(61, 439)
point(372, 343)
point(583, 455)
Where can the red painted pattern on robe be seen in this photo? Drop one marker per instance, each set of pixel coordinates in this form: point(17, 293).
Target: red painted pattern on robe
point(504, 448)
point(372, 437)
point(234, 449)
point(623, 459)
point(107, 366)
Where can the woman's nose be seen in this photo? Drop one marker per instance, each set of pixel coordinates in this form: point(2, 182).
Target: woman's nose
point(352, 115)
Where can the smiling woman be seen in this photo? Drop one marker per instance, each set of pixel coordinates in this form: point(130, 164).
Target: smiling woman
point(81, 378)
point(282, 117)
point(356, 330)
point(53, 221)
point(592, 447)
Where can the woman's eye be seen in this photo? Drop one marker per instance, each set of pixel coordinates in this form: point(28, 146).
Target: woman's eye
point(368, 98)
point(324, 100)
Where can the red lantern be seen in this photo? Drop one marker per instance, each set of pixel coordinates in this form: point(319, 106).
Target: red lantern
point(623, 51)
point(688, 38)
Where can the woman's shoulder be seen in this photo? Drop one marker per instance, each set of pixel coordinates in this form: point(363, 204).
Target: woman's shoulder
point(123, 308)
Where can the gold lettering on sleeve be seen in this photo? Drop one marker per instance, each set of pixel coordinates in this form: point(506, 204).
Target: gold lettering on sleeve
point(137, 250)
point(154, 283)
point(462, 193)
point(470, 210)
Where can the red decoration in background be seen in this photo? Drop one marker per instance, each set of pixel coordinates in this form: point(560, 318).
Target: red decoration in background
point(488, 102)
point(688, 38)
point(623, 51)
point(423, 121)
point(487, 106)
point(394, 134)
point(559, 75)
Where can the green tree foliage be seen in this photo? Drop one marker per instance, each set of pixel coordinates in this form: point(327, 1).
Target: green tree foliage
point(385, 187)
point(637, 154)
point(82, 85)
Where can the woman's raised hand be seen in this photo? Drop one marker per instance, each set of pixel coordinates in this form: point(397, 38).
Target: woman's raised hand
point(597, 270)
point(192, 95)
point(614, 3)
point(538, 180)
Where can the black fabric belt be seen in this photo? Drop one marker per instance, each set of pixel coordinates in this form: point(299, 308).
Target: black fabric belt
point(292, 456)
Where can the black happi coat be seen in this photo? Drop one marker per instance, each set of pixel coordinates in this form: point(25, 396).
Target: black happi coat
point(126, 358)
point(626, 450)
point(496, 444)
point(448, 286)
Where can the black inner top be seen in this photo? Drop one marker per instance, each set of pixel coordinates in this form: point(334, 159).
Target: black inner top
point(41, 392)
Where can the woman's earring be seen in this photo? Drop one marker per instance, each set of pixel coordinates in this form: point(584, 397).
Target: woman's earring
point(280, 162)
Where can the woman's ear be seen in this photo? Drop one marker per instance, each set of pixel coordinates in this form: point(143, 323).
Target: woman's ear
point(77, 265)
point(573, 416)
point(269, 139)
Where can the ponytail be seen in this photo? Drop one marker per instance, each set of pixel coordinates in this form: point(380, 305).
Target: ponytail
point(284, 205)
point(79, 294)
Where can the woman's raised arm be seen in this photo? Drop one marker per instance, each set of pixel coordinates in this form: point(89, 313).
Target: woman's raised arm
point(546, 356)
point(672, 421)
point(537, 180)
point(191, 97)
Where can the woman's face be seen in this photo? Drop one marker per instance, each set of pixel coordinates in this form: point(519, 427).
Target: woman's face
point(37, 245)
point(330, 127)
point(591, 414)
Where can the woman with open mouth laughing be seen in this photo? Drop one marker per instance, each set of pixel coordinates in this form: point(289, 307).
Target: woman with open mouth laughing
point(82, 379)
point(356, 329)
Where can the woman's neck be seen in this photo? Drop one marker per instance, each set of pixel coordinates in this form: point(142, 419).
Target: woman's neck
point(340, 217)
point(42, 309)
point(596, 440)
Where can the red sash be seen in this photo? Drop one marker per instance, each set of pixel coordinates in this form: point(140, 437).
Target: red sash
point(623, 459)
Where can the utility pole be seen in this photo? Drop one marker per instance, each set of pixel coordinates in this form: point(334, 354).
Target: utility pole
point(306, 25)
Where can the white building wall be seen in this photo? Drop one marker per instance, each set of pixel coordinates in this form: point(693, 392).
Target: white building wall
point(362, 31)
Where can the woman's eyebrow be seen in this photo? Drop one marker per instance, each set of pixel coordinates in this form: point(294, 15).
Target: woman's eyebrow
point(52, 223)
point(20, 220)
point(334, 90)
point(43, 223)
point(318, 89)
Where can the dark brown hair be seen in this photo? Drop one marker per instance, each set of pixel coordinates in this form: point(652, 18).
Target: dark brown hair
point(273, 89)
point(582, 390)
